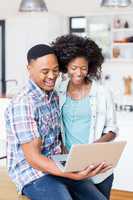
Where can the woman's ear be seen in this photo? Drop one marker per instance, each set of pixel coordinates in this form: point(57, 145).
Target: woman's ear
point(69, 75)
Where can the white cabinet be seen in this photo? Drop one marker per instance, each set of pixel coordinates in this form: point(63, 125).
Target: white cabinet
point(122, 37)
point(114, 34)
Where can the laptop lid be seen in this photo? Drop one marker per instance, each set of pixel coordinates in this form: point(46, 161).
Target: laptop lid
point(83, 155)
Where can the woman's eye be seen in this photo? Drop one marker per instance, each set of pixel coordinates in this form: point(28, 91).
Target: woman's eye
point(84, 68)
point(74, 68)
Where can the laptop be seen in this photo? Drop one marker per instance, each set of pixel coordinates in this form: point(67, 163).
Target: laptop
point(83, 155)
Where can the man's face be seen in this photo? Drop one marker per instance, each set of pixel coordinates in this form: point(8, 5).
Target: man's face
point(44, 71)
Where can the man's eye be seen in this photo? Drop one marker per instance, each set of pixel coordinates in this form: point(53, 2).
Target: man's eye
point(44, 72)
point(56, 71)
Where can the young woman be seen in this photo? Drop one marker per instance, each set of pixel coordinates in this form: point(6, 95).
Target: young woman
point(87, 108)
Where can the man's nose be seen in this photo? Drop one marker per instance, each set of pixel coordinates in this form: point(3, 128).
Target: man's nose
point(50, 75)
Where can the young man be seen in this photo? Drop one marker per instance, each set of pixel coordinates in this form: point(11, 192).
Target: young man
point(33, 135)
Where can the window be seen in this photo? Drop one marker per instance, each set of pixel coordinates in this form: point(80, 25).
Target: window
point(78, 25)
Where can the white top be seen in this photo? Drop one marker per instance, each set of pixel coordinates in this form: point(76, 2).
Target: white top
point(103, 114)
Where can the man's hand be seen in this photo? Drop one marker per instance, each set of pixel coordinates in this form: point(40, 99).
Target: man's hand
point(89, 172)
point(32, 152)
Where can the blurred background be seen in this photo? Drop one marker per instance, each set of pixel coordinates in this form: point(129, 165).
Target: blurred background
point(24, 23)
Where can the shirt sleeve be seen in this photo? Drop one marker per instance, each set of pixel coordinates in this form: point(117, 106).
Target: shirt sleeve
point(110, 121)
point(22, 121)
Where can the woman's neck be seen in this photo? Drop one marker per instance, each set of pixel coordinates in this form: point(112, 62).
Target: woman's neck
point(78, 91)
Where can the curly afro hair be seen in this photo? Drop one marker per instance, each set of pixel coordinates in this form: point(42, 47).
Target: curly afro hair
point(68, 47)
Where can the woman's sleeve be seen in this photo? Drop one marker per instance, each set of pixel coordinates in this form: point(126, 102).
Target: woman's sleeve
point(110, 120)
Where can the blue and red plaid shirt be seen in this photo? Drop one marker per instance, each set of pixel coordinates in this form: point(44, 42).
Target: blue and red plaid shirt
point(32, 114)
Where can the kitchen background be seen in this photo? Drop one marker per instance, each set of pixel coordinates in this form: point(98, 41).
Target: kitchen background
point(111, 28)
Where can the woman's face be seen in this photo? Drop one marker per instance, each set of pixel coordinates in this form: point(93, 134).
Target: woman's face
point(78, 70)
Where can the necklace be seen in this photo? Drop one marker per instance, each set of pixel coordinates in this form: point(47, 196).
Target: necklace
point(79, 92)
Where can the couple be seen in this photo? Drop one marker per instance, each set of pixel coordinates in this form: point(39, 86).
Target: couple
point(33, 121)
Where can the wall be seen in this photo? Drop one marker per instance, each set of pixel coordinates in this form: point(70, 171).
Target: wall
point(117, 71)
point(21, 34)
point(3, 104)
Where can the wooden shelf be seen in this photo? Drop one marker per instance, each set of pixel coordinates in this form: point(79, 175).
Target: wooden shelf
point(114, 37)
point(122, 29)
point(123, 60)
point(122, 43)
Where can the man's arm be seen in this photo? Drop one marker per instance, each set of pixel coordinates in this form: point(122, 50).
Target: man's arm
point(32, 152)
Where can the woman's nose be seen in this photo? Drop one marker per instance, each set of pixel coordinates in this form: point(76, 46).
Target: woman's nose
point(78, 71)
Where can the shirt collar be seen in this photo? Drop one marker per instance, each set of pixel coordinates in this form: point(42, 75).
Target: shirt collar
point(93, 89)
point(38, 92)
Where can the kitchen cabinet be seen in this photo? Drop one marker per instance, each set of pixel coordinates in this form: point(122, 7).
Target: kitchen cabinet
point(122, 37)
point(113, 33)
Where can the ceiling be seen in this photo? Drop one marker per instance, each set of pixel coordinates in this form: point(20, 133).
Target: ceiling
point(80, 7)
point(66, 7)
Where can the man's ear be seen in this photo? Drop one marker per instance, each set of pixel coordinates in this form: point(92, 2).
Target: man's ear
point(28, 66)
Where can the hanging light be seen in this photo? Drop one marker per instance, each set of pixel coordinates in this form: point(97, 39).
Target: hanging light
point(32, 6)
point(116, 3)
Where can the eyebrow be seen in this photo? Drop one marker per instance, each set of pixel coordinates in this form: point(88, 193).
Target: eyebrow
point(44, 69)
point(79, 66)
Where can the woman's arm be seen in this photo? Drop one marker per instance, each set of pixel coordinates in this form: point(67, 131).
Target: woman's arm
point(107, 137)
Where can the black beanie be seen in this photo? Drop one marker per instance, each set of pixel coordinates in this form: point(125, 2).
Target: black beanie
point(39, 51)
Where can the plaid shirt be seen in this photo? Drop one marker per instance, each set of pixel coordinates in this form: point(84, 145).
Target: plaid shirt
point(32, 114)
